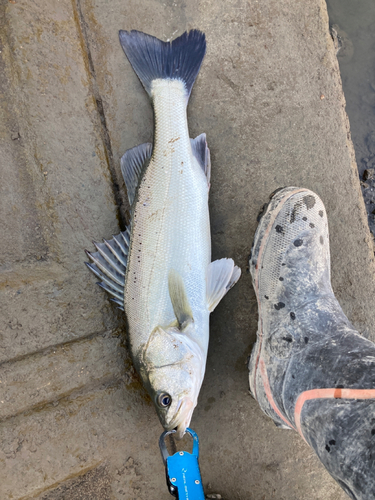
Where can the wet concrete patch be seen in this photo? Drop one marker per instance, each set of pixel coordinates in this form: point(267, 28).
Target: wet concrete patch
point(94, 484)
point(352, 27)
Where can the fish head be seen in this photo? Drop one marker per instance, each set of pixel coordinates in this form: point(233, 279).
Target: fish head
point(173, 370)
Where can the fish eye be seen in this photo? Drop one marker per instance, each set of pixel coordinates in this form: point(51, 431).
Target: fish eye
point(164, 399)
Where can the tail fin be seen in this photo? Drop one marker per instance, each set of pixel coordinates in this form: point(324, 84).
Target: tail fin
point(152, 58)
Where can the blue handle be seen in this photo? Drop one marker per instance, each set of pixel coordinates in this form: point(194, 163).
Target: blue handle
point(183, 474)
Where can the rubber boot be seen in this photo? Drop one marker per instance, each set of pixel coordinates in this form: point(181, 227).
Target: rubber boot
point(310, 370)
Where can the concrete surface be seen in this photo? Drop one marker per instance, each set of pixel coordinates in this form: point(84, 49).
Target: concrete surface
point(75, 421)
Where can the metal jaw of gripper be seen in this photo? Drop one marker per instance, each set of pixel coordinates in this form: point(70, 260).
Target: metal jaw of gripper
point(182, 469)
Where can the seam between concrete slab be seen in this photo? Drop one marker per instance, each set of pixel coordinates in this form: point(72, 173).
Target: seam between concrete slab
point(42, 271)
point(46, 350)
point(88, 61)
point(82, 472)
point(106, 383)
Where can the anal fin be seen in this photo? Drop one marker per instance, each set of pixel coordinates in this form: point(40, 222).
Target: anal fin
point(221, 276)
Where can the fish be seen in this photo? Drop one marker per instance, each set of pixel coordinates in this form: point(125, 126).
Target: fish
point(159, 270)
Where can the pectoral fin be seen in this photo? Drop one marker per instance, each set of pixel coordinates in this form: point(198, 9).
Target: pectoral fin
point(221, 276)
point(180, 302)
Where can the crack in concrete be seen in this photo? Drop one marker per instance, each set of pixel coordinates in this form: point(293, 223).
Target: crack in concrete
point(82, 29)
point(55, 485)
point(69, 396)
point(50, 348)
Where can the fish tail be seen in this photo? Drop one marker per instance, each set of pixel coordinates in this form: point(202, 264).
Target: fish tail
point(153, 59)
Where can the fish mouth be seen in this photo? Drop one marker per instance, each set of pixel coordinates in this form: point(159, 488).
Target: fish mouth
point(183, 417)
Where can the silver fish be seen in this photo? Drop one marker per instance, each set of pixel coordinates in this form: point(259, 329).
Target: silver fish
point(159, 270)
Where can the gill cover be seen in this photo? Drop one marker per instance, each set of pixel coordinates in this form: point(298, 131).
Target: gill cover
point(165, 348)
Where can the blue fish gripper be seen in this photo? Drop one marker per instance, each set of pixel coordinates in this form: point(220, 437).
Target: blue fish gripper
point(182, 469)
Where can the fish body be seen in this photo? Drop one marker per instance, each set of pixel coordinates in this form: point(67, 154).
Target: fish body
point(159, 270)
point(170, 225)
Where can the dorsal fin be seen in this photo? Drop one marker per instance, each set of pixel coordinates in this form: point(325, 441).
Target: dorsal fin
point(180, 302)
point(132, 163)
point(202, 154)
point(221, 276)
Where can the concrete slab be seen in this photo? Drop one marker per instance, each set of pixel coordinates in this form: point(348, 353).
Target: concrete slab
point(50, 136)
point(269, 98)
point(55, 373)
